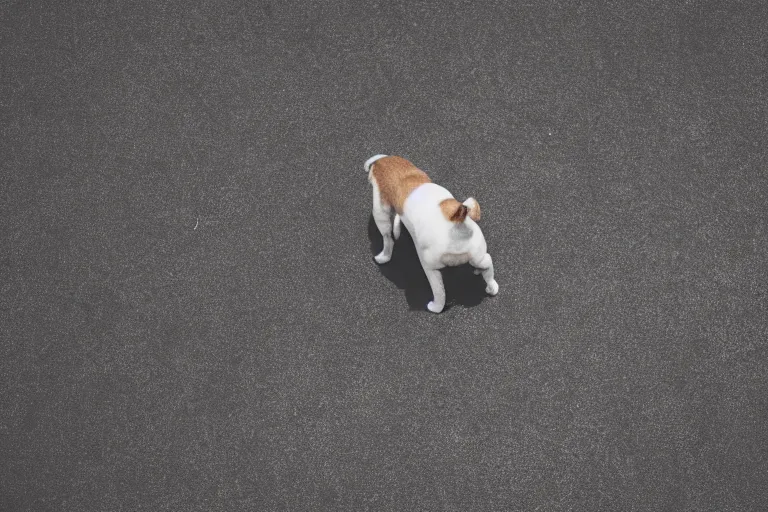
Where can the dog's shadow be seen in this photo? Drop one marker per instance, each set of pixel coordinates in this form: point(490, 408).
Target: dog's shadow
point(462, 286)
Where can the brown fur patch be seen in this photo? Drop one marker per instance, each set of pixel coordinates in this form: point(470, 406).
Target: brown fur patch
point(396, 178)
point(453, 210)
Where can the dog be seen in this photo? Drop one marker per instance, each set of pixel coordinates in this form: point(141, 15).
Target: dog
point(444, 230)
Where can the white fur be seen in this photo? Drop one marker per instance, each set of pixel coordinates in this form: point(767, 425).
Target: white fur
point(382, 214)
point(439, 242)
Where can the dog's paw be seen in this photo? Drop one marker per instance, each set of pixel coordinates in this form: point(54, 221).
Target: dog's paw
point(434, 307)
point(382, 258)
point(492, 288)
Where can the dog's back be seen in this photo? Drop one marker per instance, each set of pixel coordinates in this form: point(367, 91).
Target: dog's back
point(396, 179)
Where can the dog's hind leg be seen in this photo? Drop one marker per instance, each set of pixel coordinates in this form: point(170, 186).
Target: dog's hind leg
point(396, 227)
point(382, 215)
point(484, 265)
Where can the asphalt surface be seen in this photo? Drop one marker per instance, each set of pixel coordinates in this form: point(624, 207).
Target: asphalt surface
point(191, 317)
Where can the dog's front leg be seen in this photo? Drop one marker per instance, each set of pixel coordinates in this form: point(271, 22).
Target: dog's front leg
point(438, 290)
point(484, 265)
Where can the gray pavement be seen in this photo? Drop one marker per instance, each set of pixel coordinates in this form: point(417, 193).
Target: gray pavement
point(191, 317)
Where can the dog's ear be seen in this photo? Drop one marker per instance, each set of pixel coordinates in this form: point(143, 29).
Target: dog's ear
point(453, 210)
point(460, 214)
point(474, 208)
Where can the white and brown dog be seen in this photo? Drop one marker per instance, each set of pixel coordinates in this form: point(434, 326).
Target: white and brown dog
point(443, 229)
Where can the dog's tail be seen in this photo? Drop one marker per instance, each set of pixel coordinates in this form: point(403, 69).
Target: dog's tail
point(369, 164)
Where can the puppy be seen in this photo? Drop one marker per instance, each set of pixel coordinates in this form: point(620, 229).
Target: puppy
point(443, 229)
